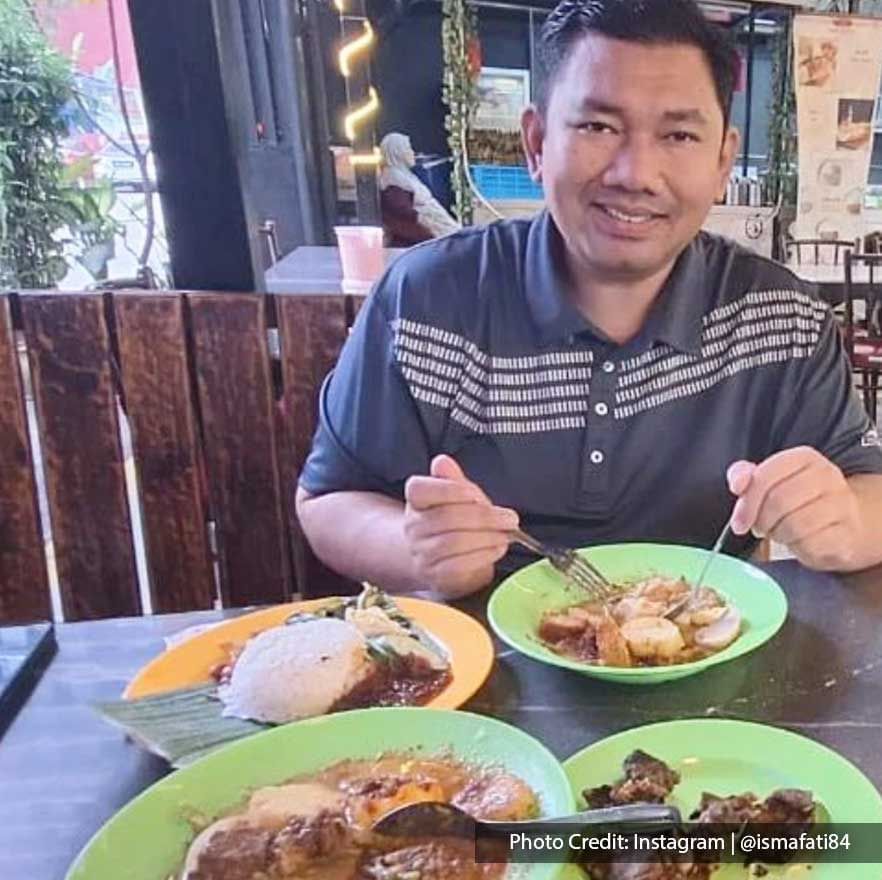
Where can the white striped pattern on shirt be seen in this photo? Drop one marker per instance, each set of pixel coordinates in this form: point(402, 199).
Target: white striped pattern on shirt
point(490, 394)
point(760, 328)
point(546, 392)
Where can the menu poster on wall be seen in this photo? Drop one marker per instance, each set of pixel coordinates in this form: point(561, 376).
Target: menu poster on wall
point(502, 95)
point(838, 63)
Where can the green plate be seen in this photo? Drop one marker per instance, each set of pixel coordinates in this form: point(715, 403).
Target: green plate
point(517, 605)
point(733, 757)
point(155, 825)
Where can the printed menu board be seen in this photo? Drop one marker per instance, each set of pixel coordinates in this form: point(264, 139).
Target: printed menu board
point(838, 63)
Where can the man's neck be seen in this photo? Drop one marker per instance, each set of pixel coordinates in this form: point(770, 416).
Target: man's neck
point(617, 307)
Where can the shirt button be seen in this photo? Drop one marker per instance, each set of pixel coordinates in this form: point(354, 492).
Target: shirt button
point(601, 409)
point(608, 366)
point(596, 457)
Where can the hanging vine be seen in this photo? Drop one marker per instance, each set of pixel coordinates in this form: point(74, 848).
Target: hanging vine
point(781, 181)
point(459, 36)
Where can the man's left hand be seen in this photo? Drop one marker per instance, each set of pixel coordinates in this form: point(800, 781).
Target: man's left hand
point(800, 499)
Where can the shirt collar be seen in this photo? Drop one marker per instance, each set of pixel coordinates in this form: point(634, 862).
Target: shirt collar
point(555, 316)
point(675, 317)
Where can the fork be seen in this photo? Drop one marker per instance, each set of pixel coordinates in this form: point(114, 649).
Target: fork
point(712, 555)
point(571, 565)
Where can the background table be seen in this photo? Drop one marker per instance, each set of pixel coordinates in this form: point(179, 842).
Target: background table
point(312, 269)
point(63, 771)
point(829, 279)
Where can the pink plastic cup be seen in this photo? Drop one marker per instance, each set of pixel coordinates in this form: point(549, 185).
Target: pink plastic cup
point(361, 254)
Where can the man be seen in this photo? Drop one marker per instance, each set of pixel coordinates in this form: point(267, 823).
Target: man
point(603, 372)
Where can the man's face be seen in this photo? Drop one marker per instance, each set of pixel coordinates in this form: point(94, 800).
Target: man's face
point(631, 153)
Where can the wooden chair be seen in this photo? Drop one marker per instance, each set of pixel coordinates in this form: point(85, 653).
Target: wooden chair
point(220, 424)
point(818, 247)
point(863, 335)
point(873, 243)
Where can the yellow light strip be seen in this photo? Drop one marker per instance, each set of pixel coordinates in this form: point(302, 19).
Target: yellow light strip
point(366, 158)
point(341, 6)
point(357, 45)
point(367, 109)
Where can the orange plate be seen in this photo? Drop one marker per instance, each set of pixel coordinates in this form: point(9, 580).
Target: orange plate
point(467, 643)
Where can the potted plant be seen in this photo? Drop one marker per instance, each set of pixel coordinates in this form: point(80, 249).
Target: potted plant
point(91, 230)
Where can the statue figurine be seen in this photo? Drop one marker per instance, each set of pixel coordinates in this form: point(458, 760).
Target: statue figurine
point(409, 210)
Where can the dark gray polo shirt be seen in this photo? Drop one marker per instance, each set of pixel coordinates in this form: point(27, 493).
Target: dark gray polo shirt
point(469, 345)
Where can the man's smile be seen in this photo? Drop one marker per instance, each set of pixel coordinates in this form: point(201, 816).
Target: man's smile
point(626, 221)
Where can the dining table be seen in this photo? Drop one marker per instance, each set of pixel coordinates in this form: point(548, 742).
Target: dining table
point(828, 278)
point(64, 771)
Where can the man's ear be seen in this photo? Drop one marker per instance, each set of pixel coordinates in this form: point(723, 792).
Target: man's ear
point(532, 136)
point(728, 154)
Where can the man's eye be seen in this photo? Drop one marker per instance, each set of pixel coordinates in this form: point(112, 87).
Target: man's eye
point(682, 137)
point(594, 127)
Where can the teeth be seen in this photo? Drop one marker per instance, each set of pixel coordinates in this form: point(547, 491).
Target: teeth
point(627, 218)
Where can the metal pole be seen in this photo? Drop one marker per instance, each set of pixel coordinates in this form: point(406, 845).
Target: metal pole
point(748, 98)
point(532, 57)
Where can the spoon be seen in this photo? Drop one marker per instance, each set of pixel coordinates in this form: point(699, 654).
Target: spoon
point(693, 591)
point(433, 819)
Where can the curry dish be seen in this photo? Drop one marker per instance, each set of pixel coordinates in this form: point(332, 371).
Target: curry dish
point(655, 622)
point(318, 827)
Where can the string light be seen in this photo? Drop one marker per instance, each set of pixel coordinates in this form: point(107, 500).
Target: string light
point(360, 113)
point(357, 45)
point(368, 159)
point(357, 115)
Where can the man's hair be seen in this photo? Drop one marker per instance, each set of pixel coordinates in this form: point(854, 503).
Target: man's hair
point(652, 22)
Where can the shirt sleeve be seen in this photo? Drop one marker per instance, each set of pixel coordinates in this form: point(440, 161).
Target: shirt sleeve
point(370, 436)
point(826, 412)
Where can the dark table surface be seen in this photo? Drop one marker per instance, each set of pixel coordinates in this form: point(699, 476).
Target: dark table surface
point(63, 771)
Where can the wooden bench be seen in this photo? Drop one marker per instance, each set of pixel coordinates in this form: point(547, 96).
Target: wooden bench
point(221, 420)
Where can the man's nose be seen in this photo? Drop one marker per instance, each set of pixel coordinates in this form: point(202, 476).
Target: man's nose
point(635, 166)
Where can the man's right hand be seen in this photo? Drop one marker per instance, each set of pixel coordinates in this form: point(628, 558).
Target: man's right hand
point(454, 532)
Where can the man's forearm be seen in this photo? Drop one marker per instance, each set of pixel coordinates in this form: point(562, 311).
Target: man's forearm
point(868, 489)
point(360, 535)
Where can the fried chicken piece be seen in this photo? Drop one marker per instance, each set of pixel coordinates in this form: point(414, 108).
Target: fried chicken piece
point(437, 860)
point(612, 648)
point(559, 625)
point(631, 607)
point(790, 810)
point(625, 869)
point(498, 797)
point(647, 781)
point(641, 766)
point(734, 810)
point(788, 806)
point(306, 840)
point(599, 797)
point(229, 850)
point(661, 589)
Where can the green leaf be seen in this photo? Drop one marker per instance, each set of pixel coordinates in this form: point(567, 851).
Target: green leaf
point(34, 86)
point(179, 726)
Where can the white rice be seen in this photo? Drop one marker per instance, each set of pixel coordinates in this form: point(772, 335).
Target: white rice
point(296, 671)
